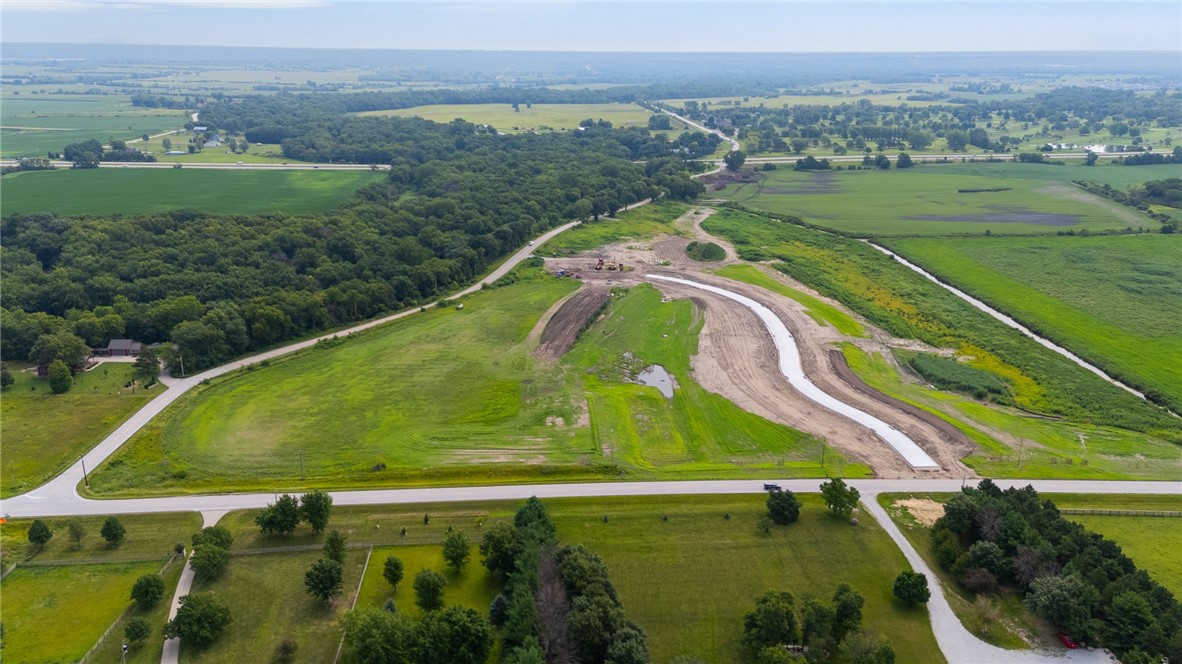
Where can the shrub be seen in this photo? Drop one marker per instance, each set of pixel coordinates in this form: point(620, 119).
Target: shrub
point(912, 588)
point(147, 590)
point(137, 629)
point(39, 533)
point(113, 531)
point(783, 507)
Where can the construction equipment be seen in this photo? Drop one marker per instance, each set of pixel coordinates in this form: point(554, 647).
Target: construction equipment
point(599, 265)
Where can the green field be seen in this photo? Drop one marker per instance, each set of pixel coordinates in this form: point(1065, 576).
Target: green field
point(1115, 301)
point(472, 406)
point(473, 587)
point(925, 200)
point(1040, 382)
point(539, 117)
point(149, 537)
point(1013, 443)
point(106, 191)
point(268, 603)
point(724, 563)
point(1152, 542)
point(639, 224)
point(34, 125)
point(149, 650)
point(257, 154)
point(44, 432)
point(819, 310)
point(55, 614)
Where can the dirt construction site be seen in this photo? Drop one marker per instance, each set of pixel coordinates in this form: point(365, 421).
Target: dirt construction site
point(736, 355)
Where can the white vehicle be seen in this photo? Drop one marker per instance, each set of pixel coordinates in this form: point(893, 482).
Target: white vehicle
point(531, 243)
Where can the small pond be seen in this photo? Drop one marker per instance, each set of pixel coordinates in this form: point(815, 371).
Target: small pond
point(656, 376)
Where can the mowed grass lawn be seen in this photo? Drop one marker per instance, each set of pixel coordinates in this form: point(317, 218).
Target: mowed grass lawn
point(925, 200)
point(148, 537)
point(104, 191)
point(536, 118)
point(688, 581)
point(1116, 301)
point(269, 604)
point(55, 614)
point(44, 432)
point(456, 397)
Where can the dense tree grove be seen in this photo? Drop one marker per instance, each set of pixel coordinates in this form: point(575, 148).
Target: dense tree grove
point(778, 626)
point(1074, 578)
point(455, 202)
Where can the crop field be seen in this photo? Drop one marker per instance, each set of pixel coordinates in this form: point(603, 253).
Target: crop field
point(105, 191)
point(472, 406)
point(33, 125)
point(907, 305)
point(928, 200)
point(1115, 301)
point(539, 117)
point(44, 432)
point(55, 614)
point(652, 563)
point(268, 603)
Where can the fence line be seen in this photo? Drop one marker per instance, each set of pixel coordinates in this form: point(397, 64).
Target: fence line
point(1162, 513)
point(122, 616)
point(353, 605)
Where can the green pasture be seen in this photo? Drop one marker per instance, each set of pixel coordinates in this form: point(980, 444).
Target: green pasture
point(638, 224)
point(149, 650)
point(539, 117)
point(474, 587)
point(269, 153)
point(819, 310)
point(44, 432)
point(105, 191)
point(55, 614)
point(654, 564)
point(1152, 542)
point(149, 537)
point(269, 604)
point(1115, 301)
point(1013, 443)
point(925, 200)
point(455, 396)
point(34, 125)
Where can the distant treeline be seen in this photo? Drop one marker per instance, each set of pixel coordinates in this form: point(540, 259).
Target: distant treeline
point(456, 201)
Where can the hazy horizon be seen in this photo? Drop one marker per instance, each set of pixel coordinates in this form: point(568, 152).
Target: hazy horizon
point(605, 26)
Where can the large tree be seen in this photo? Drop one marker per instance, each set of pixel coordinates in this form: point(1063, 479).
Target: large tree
point(316, 509)
point(209, 560)
point(499, 547)
point(374, 636)
point(64, 346)
point(335, 546)
point(734, 160)
point(912, 588)
point(39, 534)
point(113, 531)
point(457, 635)
point(147, 590)
point(199, 621)
point(840, 498)
point(324, 579)
point(280, 517)
point(772, 622)
point(392, 571)
point(456, 549)
point(783, 507)
point(429, 590)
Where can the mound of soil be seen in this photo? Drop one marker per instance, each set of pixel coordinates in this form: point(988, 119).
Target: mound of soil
point(720, 180)
point(571, 318)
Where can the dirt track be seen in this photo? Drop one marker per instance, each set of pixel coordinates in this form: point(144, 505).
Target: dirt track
point(571, 316)
point(737, 359)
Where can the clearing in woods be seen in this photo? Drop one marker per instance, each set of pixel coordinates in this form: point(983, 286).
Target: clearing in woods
point(538, 117)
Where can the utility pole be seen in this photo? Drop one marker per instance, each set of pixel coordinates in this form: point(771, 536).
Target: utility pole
point(301, 464)
point(1021, 446)
point(84, 476)
point(182, 356)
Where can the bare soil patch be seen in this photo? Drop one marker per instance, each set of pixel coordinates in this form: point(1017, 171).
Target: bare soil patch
point(924, 510)
point(564, 326)
point(1031, 218)
point(721, 179)
point(819, 183)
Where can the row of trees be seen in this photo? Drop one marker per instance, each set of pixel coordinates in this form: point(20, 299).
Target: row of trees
point(779, 631)
point(992, 539)
point(217, 286)
point(112, 531)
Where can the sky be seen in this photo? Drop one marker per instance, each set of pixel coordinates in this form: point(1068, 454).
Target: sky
point(605, 25)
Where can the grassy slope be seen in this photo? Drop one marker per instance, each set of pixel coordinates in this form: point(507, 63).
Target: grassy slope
point(695, 430)
point(268, 602)
point(540, 116)
point(881, 202)
point(656, 565)
point(472, 407)
point(133, 190)
point(1114, 300)
point(642, 223)
point(1049, 448)
point(44, 432)
point(818, 309)
point(907, 305)
point(55, 614)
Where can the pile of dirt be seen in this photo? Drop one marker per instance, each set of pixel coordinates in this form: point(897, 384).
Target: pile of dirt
point(924, 510)
point(572, 317)
point(720, 180)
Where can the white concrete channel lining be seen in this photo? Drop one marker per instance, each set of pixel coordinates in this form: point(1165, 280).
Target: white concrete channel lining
point(792, 370)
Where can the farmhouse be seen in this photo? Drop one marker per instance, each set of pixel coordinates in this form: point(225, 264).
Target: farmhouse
point(200, 130)
point(120, 348)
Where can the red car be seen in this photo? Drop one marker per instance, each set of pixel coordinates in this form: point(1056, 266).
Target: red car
point(1067, 641)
